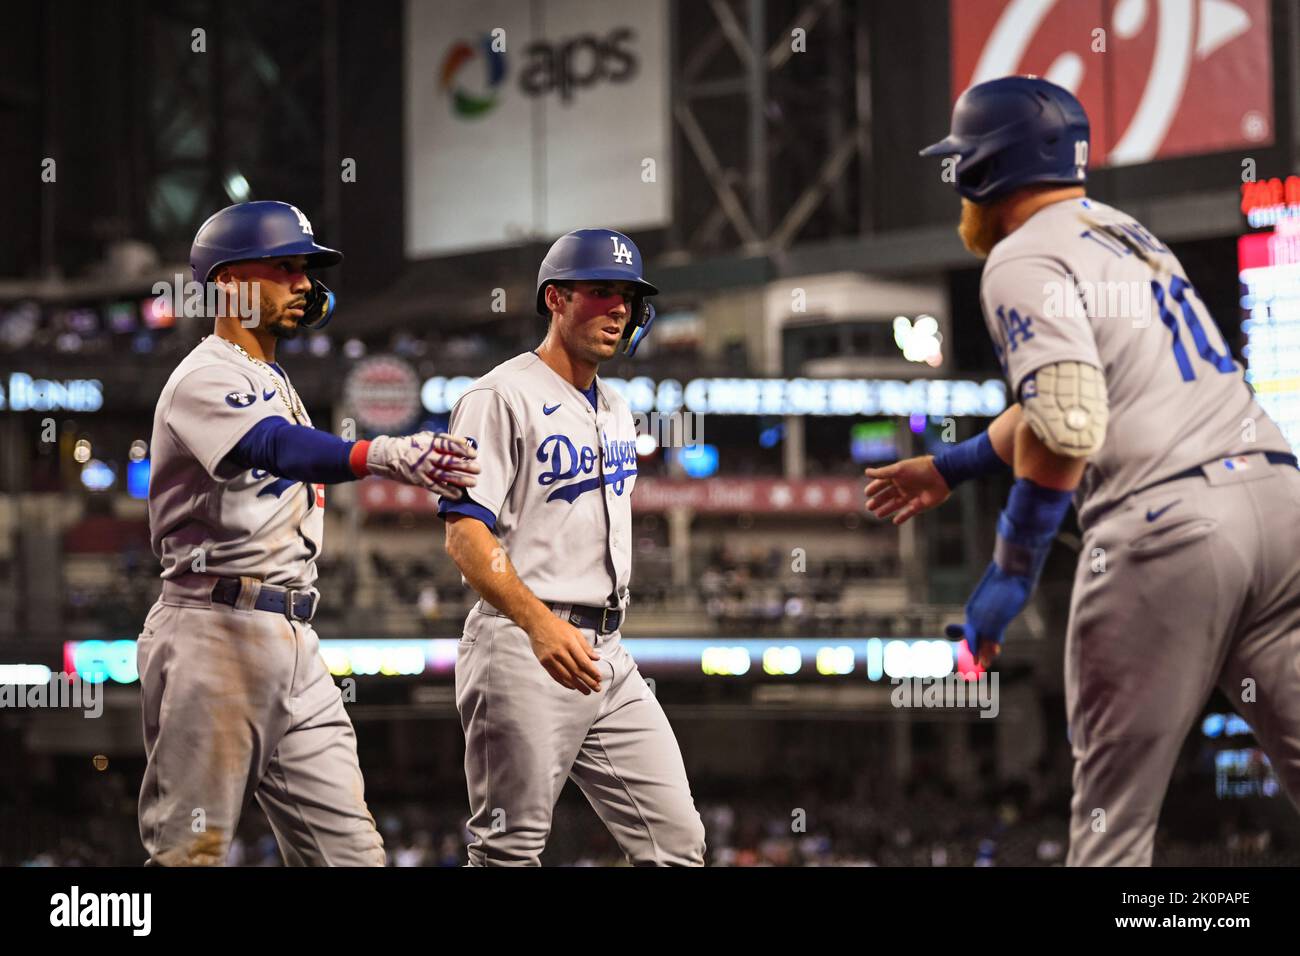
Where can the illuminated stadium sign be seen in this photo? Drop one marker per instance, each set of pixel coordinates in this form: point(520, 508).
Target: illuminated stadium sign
point(97, 661)
point(945, 398)
point(383, 392)
point(874, 659)
point(1270, 201)
point(22, 393)
point(386, 658)
point(1269, 266)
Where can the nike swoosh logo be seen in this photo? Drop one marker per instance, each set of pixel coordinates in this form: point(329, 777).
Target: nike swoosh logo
point(267, 396)
point(547, 409)
point(1153, 515)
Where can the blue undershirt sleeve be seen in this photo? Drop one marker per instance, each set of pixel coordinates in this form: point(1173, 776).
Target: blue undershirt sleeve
point(293, 451)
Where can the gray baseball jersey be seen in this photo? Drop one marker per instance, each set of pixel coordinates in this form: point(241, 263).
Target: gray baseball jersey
point(1181, 585)
point(237, 702)
point(556, 485)
point(203, 516)
point(1081, 281)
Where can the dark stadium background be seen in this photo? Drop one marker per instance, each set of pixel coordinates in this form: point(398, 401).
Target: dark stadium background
point(799, 769)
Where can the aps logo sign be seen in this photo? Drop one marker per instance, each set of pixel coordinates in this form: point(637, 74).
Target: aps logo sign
point(474, 75)
point(465, 103)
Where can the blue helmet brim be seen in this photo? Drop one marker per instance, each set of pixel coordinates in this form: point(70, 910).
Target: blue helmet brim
point(643, 288)
point(318, 257)
point(948, 146)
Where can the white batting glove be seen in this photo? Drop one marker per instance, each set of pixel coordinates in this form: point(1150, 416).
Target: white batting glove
point(441, 463)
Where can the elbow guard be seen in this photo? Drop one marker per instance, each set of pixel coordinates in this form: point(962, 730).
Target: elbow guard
point(1065, 403)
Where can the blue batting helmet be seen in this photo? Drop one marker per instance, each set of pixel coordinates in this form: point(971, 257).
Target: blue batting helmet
point(264, 230)
point(589, 254)
point(1014, 131)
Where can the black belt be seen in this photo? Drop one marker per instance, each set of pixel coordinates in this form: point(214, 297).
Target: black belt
point(602, 620)
point(294, 605)
point(1196, 471)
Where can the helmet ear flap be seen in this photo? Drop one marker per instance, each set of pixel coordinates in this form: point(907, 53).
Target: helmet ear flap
point(319, 308)
point(977, 174)
point(638, 327)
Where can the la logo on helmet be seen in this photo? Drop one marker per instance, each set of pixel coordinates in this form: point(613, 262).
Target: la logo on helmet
point(303, 223)
point(621, 252)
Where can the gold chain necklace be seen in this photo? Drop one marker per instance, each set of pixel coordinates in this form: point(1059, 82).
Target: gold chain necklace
point(287, 394)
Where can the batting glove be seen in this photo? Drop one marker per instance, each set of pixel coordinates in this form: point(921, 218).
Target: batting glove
point(441, 463)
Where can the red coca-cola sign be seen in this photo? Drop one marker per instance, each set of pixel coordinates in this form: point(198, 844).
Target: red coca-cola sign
point(1159, 78)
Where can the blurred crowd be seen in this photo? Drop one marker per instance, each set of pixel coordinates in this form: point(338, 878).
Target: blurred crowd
point(921, 827)
point(733, 590)
point(142, 327)
point(758, 591)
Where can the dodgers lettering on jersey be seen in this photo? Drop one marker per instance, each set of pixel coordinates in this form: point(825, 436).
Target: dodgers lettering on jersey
point(1081, 281)
point(567, 462)
point(203, 515)
point(556, 480)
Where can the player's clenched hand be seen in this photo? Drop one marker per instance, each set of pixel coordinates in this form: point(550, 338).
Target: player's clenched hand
point(441, 463)
point(564, 653)
point(905, 488)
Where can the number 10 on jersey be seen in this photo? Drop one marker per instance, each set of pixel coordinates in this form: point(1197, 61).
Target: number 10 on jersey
point(1180, 291)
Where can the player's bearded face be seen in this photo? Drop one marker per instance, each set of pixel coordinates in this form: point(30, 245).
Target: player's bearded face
point(594, 317)
point(281, 287)
point(979, 229)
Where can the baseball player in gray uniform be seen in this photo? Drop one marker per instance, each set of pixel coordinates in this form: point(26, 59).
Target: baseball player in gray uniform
point(545, 689)
point(236, 699)
point(1131, 403)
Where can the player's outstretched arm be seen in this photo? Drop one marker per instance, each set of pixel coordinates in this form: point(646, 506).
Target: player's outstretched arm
point(907, 488)
point(559, 645)
point(440, 463)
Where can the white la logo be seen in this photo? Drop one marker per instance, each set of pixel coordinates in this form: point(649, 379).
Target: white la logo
point(303, 223)
point(621, 252)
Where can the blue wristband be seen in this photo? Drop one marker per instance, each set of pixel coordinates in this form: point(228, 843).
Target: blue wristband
point(1027, 526)
point(969, 459)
